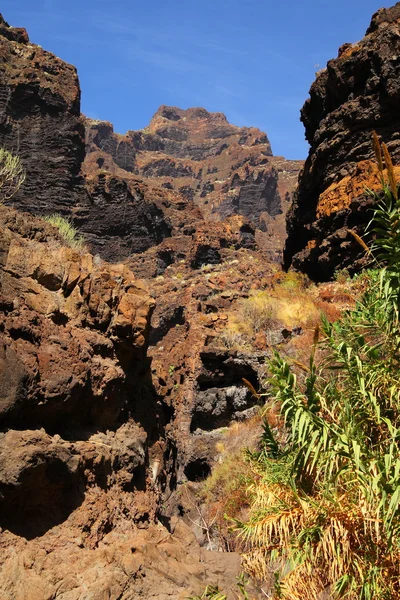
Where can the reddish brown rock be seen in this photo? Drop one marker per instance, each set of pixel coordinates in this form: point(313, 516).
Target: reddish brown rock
point(73, 355)
point(40, 121)
point(196, 374)
point(357, 93)
point(224, 169)
point(133, 191)
point(74, 328)
point(86, 449)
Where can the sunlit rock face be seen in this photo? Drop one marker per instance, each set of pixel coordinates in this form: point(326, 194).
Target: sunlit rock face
point(357, 93)
point(129, 193)
point(224, 169)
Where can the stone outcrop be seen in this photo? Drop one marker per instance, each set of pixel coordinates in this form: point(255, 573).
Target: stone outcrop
point(73, 355)
point(197, 375)
point(40, 121)
point(107, 402)
point(357, 93)
point(148, 564)
point(75, 330)
point(131, 191)
point(123, 215)
point(87, 448)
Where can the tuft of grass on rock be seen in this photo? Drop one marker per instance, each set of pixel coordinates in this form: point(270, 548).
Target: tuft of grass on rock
point(68, 232)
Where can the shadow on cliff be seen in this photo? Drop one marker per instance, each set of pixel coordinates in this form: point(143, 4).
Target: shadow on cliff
point(44, 497)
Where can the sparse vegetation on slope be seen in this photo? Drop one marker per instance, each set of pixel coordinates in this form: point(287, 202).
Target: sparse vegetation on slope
point(12, 174)
point(330, 523)
point(321, 514)
point(67, 230)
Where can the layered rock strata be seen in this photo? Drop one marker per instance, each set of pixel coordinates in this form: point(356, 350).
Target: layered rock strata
point(357, 93)
point(40, 121)
point(224, 169)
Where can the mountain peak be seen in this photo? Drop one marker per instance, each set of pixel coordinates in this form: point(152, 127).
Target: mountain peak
point(173, 113)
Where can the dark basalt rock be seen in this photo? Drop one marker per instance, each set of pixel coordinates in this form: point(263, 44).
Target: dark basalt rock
point(117, 221)
point(357, 93)
point(40, 121)
point(221, 395)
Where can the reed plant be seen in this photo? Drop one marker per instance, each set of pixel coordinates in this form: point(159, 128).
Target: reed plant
point(325, 515)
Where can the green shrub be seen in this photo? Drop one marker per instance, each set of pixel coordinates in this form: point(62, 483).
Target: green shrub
point(326, 514)
point(67, 230)
point(12, 174)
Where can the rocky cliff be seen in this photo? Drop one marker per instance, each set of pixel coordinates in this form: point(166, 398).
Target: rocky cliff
point(357, 93)
point(108, 401)
point(40, 121)
point(87, 446)
point(224, 169)
point(132, 191)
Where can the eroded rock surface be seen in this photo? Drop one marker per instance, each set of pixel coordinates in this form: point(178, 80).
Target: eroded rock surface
point(224, 169)
point(195, 370)
point(94, 438)
point(87, 448)
point(40, 121)
point(357, 93)
point(132, 189)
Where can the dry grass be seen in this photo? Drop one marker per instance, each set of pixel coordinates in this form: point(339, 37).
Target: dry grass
point(289, 303)
point(225, 492)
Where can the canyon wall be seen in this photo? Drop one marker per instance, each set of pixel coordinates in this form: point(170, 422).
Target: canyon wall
point(357, 93)
point(130, 191)
point(40, 121)
point(224, 169)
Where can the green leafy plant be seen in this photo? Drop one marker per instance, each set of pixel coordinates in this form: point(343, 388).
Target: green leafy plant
point(12, 174)
point(67, 230)
point(325, 518)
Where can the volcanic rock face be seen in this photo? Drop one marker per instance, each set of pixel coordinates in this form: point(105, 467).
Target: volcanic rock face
point(95, 438)
point(196, 373)
point(74, 336)
point(357, 93)
point(224, 169)
point(40, 121)
point(83, 455)
point(123, 215)
point(131, 191)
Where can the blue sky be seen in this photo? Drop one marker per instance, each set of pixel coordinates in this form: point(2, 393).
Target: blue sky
point(254, 60)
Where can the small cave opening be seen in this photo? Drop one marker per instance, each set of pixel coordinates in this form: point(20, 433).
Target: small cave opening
point(197, 470)
point(165, 258)
point(172, 318)
point(45, 496)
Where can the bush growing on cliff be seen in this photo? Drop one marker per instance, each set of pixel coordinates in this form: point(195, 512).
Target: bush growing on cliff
point(330, 522)
point(67, 231)
point(12, 174)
